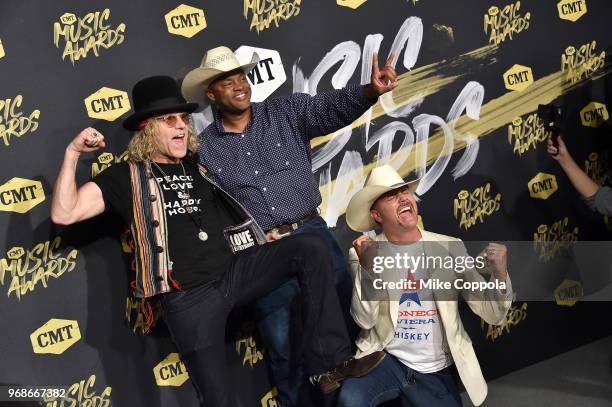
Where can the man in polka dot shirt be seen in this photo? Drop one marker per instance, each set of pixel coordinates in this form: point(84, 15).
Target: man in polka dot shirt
point(260, 152)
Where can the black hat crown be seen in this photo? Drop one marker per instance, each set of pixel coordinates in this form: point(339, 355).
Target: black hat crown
point(154, 96)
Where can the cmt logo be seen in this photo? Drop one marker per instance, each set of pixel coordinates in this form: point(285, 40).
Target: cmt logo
point(350, 3)
point(68, 18)
point(594, 114)
point(270, 398)
point(518, 77)
point(55, 336)
point(106, 158)
point(569, 293)
point(185, 20)
point(570, 51)
point(170, 371)
point(20, 195)
point(107, 104)
point(267, 76)
point(571, 10)
point(1, 49)
point(104, 161)
point(542, 186)
point(15, 253)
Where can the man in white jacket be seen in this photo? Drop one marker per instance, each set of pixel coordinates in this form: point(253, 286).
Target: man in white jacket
point(418, 327)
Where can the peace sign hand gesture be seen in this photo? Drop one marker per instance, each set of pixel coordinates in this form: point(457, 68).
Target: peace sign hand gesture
point(381, 81)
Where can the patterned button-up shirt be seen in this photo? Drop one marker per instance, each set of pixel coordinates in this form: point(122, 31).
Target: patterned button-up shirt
point(268, 168)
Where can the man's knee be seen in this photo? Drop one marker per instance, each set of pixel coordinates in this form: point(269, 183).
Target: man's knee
point(351, 394)
point(312, 248)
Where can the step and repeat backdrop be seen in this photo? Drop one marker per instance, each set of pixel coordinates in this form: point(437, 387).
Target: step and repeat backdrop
point(471, 75)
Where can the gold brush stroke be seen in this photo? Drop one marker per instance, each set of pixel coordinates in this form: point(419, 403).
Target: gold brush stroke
point(426, 81)
point(493, 115)
point(500, 112)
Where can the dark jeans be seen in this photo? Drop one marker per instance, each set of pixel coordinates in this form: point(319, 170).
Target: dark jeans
point(280, 333)
point(196, 318)
point(392, 378)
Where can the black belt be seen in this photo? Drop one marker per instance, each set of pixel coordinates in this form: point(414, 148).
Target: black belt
point(288, 228)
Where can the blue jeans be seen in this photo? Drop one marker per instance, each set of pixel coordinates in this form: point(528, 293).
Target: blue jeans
point(281, 337)
point(392, 378)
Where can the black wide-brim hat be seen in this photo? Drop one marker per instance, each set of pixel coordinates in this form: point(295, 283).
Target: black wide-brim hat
point(155, 96)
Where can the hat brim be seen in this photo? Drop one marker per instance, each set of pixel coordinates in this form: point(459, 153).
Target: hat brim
point(132, 122)
point(197, 80)
point(358, 210)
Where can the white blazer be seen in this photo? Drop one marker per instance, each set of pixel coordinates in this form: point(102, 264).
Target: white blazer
point(378, 319)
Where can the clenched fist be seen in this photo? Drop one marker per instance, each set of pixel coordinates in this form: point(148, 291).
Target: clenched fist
point(366, 250)
point(87, 140)
point(497, 255)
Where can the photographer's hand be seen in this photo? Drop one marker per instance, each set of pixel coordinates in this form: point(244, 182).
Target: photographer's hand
point(579, 179)
point(560, 153)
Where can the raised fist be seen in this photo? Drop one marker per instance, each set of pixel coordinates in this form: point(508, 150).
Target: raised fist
point(87, 140)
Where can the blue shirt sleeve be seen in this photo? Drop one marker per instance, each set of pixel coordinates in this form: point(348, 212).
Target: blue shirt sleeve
point(329, 111)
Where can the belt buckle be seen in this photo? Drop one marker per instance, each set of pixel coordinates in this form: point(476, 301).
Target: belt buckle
point(281, 235)
point(291, 228)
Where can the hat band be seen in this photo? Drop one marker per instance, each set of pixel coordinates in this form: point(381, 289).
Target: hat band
point(218, 60)
point(162, 103)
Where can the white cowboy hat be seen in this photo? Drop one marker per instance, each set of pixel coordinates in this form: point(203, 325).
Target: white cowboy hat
point(380, 181)
point(216, 62)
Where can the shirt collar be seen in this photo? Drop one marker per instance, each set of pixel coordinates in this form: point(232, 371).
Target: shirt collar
point(219, 121)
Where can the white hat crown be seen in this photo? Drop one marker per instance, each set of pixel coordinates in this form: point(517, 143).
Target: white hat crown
point(221, 59)
point(384, 176)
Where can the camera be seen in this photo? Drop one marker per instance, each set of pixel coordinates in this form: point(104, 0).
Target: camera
point(551, 116)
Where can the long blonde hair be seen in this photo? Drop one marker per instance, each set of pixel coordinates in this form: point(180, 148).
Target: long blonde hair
point(142, 146)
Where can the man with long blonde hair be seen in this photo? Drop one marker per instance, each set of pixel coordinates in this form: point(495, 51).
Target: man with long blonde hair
point(142, 145)
point(197, 250)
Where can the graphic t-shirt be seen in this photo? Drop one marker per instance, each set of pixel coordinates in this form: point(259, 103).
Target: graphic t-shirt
point(418, 341)
point(189, 201)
